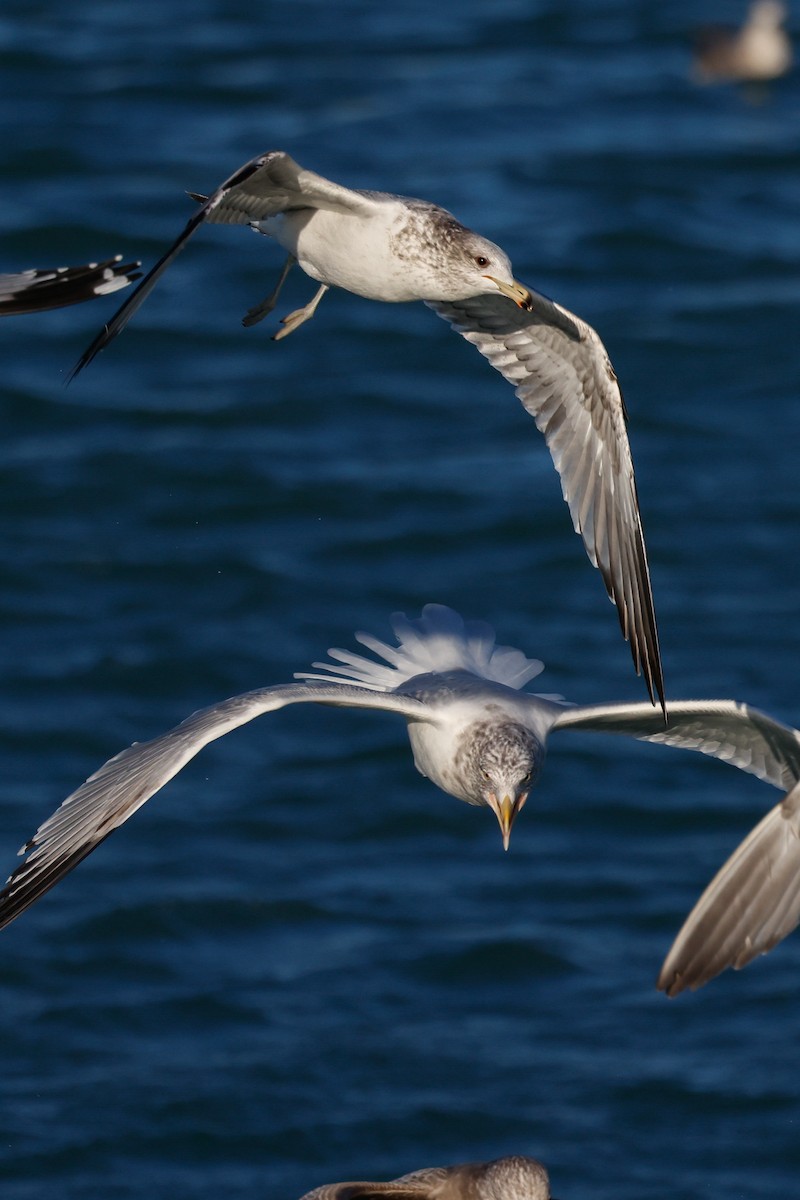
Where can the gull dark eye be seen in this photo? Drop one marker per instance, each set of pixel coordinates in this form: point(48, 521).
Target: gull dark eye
point(481, 260)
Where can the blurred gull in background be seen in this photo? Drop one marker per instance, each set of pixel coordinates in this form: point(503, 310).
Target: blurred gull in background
point(759, 51)
point(514, 1177)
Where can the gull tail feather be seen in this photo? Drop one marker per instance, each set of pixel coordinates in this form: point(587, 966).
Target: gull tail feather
point(438, 641)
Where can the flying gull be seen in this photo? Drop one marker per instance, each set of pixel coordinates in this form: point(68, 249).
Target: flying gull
point(392, 248)
point(35, 291)
point(515, 1177)
point(477, 736)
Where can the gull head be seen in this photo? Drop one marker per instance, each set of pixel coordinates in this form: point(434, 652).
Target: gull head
point(477, 266)
point(505, 761)
point(494, 268)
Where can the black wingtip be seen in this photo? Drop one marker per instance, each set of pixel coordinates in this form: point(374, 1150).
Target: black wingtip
point(88, 355)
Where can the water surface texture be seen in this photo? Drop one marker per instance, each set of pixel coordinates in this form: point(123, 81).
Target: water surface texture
point(301, 962)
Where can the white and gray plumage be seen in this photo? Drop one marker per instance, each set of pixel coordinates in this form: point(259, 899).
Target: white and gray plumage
point(392, 248)
point(758, 51)
point(34, 291)
point(477, 736)
point(515, 1177)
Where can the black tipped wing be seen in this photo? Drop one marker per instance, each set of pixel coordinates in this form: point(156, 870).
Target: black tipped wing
point(562, 375)
point(734, 732)
point(35, 291)
point(122, 785)
point(263, 187)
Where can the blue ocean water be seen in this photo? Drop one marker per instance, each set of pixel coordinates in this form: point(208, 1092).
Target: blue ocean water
point(301, 962)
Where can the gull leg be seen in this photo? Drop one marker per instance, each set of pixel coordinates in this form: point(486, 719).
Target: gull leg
point(291, 322)
point(259, 311)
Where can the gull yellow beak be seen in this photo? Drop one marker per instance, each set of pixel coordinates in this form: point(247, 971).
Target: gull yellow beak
point(505, 810)
point(515, 291)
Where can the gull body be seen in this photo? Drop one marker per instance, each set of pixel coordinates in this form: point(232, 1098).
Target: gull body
point(369, 258)
point(57, 287)
point(515, 1177)
point(478, 736)
point(395, 249)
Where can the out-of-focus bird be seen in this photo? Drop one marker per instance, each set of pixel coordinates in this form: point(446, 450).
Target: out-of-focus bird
point(758, 51)
point(515, 1177)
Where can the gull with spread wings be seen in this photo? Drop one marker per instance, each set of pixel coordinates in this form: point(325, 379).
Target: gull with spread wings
point(393, 248)
point(477, 736)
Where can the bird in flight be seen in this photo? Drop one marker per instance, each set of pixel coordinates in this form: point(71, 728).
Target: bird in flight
point(392, 248)
point(477, 736)
point(34, 291)
point(515, 1177)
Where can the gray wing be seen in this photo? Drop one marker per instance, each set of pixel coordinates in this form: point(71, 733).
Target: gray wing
point(564, 379)
point(736, 733)
point(751, 904)
point(263, 187)
point(273, 183)
point(109, 797)
point(35, 291)
point(414, 1186)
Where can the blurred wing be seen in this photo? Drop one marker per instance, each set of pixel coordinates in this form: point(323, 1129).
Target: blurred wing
point(564, 379)
point(751, 904)
point(263, 187)
point(737, 734)
point(35, 291)
point(109, 797)
point(409, 1187)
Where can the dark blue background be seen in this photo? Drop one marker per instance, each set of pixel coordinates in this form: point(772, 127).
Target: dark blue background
point(302, 962)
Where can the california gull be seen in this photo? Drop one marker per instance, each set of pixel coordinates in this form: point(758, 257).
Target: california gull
point(393, 248)
point(477, 736)
point(515, 1177)
point(33, 291)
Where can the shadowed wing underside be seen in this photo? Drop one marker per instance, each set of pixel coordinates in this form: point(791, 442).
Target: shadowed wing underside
point(122, 785)
point(751, 904)
point(563, 377)
point(753, 901)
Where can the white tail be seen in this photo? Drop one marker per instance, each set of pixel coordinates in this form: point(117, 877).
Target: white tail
point(440, 640)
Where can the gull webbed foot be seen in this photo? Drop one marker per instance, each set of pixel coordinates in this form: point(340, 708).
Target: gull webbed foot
point(259, 311)
point(299, 316)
